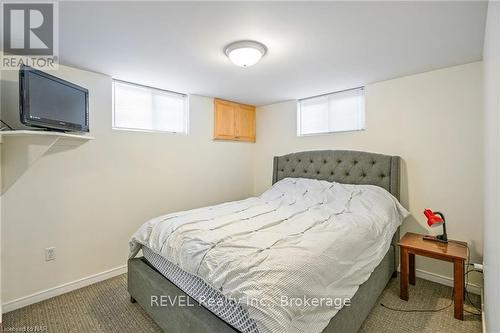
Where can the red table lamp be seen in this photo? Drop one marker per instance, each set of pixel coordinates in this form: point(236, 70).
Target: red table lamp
point(436, 219)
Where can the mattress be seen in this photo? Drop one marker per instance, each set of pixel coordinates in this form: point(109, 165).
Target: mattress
point(228, 310)
point(301, 239)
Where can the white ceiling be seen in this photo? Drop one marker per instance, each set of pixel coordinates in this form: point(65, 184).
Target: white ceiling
point(314, 48)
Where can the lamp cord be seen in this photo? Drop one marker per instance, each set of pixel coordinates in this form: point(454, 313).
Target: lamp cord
point(6, 126)
point(466, 278)
point(418, 310)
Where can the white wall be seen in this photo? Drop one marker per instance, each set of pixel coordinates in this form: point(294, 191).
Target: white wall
point(88, 200)
point(433, 121)
point(492, 167)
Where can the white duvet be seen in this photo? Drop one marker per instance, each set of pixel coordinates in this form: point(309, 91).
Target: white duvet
point(302, 239)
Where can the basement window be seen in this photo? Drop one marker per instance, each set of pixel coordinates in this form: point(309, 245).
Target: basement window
point(336, 112)
point(141, 108)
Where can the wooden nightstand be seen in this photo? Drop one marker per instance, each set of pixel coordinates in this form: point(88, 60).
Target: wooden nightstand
point(454, 251)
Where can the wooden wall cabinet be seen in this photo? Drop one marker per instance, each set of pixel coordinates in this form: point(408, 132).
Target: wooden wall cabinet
point(234, 121)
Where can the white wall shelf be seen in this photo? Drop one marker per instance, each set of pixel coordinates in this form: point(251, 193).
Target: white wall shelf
point(46, 133)
point(21, 149)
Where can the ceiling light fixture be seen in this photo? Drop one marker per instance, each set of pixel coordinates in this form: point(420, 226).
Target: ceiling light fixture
point(245, 53)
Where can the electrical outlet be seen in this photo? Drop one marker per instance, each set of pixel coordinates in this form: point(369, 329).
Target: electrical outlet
point(479, 267)
point(50, 253)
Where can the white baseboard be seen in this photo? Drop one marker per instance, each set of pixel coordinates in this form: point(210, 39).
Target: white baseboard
point(86, 281)
point(62, 289)
point(447, 281)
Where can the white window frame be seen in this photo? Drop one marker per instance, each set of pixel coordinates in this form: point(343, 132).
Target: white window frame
point(299, 115)
point(119, 128)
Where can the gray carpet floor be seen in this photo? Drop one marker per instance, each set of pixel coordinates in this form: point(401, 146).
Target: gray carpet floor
point(105, 307)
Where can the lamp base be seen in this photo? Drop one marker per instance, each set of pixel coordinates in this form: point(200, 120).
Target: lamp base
point(439, 238)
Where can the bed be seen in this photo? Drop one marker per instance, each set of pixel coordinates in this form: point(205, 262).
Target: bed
point(153, 275)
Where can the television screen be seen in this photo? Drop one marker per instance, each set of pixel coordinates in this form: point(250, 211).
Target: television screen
point(52, 103)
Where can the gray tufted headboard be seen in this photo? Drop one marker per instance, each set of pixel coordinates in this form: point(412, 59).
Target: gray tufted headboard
point(342, 166)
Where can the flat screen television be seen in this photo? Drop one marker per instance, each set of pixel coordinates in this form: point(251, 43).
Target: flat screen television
point(46, 101)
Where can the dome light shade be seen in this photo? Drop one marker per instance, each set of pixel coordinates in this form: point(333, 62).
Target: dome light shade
point(245, 53)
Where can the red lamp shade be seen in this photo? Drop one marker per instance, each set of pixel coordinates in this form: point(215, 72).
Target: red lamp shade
point(433, 220)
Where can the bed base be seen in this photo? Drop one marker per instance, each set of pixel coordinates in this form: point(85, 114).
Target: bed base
point(348, 167)
point(145, 281)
